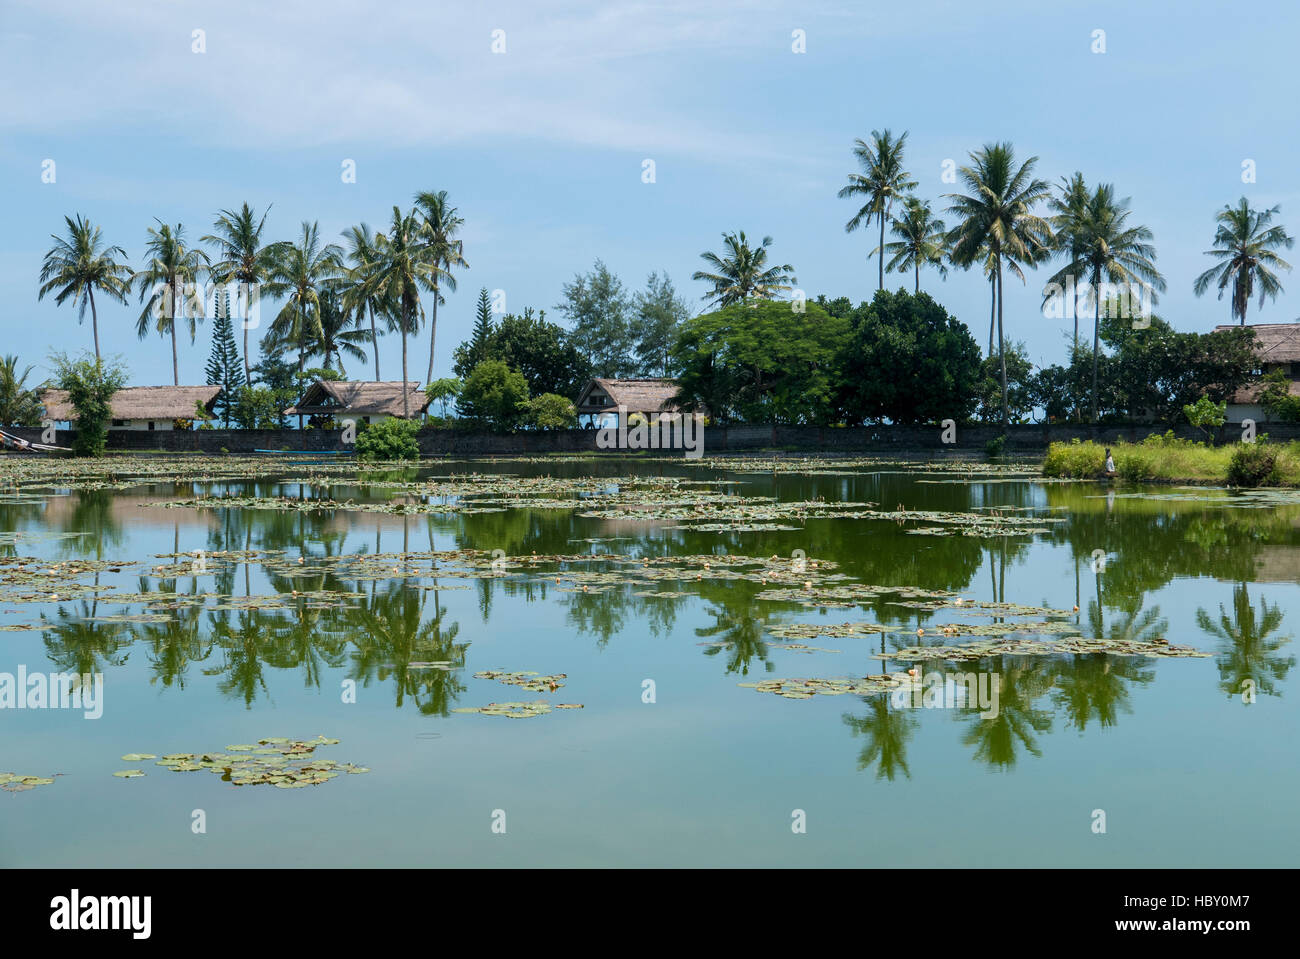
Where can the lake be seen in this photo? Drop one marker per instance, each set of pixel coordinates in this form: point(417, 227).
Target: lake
point(229, 602)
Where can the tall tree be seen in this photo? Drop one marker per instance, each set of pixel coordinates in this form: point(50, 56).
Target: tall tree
point(482, 322)
point(1244, 245)
point(406, 264)
point(742, 272)
point(79, 264)
point(358, 300)
point(168, 287)
point(224, 368)
point(19, 405)
point(922, 241)
point(1109, 250)
point(1069, 222)
point(599, 309)
point(335, 337)
point(882, 181)
point(243, 258)
point(439, 222)
point(997, 225)
point(301, 274)
point(657, 312)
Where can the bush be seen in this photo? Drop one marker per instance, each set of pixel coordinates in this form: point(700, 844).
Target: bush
point(550, 411)
point(1253, 464)
point(494, 395)
point(1075, 460)
point(91, 384)
point(390, 439)
point(995, 447)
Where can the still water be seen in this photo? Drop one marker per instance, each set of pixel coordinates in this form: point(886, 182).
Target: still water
point(1184, 769)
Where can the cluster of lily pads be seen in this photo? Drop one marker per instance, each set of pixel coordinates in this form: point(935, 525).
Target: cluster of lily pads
point(1034, 647)
point(17, 783)
point(275, 761)
point(808, 688)
point(524, 680)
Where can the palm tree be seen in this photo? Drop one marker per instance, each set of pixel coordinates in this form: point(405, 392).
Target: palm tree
point(406, 262)
point(1107, 248)
point(922, 241)
point(1244, 245)
point(997, 223)
point(439, 225)
point(1069, 221)
point(19, 406)
point(300, 275)
point(172, 267)
point(881, 181)
point(79, 264)
point(242, 258)
point(740, 273)
point(363, 254)
point(335, 338)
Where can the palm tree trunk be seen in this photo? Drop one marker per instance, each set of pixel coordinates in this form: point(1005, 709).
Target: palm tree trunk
point(882, 249)
point(176, 370)
point(993, 305)
point(1002, 348)
point(248, 370)
point(374, 342)
point(406, 405)
point(1096, 327)
point(917, 264)
point(433, 332)
point(94, 320)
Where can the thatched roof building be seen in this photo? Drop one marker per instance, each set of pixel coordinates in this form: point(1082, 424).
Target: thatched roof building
point(361, 400)
point(1278, 347)
point(139, 407)
point(637, 396)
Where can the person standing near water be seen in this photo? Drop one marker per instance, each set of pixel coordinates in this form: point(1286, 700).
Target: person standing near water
point(1110, 463)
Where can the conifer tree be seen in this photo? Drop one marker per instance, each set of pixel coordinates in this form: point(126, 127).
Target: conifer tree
point(224, 369)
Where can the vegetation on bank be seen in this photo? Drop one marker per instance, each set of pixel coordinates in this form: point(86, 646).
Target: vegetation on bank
point(1167, 459)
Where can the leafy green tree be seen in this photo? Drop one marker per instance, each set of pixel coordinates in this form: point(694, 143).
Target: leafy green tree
point(551, 412)
point(259, 408)
point(78, 265)
point(997, 226)
point(882, 181)
point(907, 360)
point(19, 405)
point(388, 439)
point(922, 241)
point(1020, 386)
point(90, 384)
point(742, 273)
point(1245, 245)
point(544, 352)
point(1206, 415)
point(443, 391)
point(242, 258)
point(761, 362)
point(599, 309)
point(657, 312)
point(439, 222)
point(495, 396)
point(224, 368)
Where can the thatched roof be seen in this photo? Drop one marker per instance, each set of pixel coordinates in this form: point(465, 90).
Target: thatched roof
point(139, 402)
point(639, 396)
point(1247, 395)
point(361, 398)
point(1274, 342)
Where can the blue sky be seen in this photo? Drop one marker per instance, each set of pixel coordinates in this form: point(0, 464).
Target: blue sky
point(541, 147)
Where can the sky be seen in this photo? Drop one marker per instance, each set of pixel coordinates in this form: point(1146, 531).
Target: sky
point(541, 145)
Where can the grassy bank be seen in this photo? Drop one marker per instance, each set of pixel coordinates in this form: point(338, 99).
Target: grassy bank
point(1164, 458)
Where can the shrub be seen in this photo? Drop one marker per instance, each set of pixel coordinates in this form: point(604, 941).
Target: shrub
point(995, 447)
point(550, 411)
point(1253, 464)
point(390, 439)
point(91, 384)
point(1074, 459)
point(1205, 414)
point(494, 395)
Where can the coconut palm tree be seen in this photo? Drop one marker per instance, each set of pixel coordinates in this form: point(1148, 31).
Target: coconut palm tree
point(922, 241)
point(1069, 221)
point(439, 222)
point(301, 273)
point(882, 181)
point(334, 336)
point(167, 287)
point(362, 254)
point(78, 265)
point(996, 222)
point(406, 262)
point(19, 405)
point(243, 258)
point(741, 273)
point(1105, 248)
point(1244, 244)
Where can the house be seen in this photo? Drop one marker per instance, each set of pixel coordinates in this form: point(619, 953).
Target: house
point(362, 401)
point(1278, 348)
point(601, 398)
point(139, 407)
